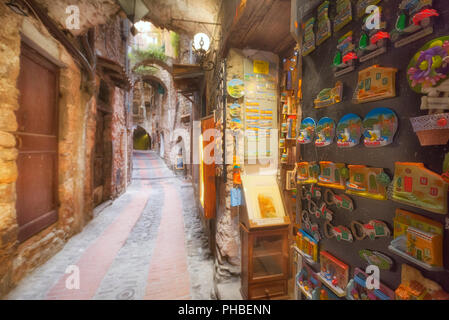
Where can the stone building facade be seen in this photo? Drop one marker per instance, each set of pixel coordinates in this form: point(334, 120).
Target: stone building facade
point(77, 106)
point(162, 109)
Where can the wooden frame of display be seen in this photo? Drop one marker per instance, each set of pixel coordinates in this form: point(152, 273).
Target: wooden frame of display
point(263, 223)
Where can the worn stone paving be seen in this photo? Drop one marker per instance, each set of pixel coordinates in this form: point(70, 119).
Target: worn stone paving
point(119, 253)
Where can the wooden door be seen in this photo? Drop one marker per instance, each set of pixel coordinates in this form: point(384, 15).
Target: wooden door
point(208, 172)
point(37, 137)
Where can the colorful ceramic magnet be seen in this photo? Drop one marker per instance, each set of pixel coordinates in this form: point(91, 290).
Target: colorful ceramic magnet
point(309, 37)
point(307, 245)
point(376, 83)
point(415, 21)
point(380, 126)
point(344, 14)
point(321, 211)
point(432, 129)
point(333, 175)
point(334, 273)
point(372, 41)
point(363, 4)
point(367, 182)
point(419, 187)
point(418, 239)
point(307, 131)
point(325, 132)
point(311, 228)
point(427, 74)
point(236, 88)
point(415, 287)
point(235, 110)
point(349, 131)
point(324, 30)
point(358, 290)
point(309, 283)
point(429, 66)
point(340, 200)
point(376, 258)
point(373, 229)
point(340, 232)
point(307, 172)
point(311, 193)
point(329, 96)
point(345, 57)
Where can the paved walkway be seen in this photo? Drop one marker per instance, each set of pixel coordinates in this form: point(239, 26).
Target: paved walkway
point(138, 248)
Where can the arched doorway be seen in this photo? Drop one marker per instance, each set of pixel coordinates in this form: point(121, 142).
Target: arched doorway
point(142, 140)
point(162, 145)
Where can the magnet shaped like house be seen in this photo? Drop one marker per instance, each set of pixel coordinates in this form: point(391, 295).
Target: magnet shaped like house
point(415, 287)
point(309, 37)
point(418, 239)
point(376, 83)
point(329, 96)
point(367, 182)
point(324, 30)
point(307, 173)
point(415, 21)
point(344, 14)
point(419, 187)
point(332, 175)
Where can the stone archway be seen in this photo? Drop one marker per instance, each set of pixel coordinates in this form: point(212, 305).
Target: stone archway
point(142, 139)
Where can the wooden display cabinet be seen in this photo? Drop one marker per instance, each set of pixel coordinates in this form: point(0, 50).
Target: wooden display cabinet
point(265, 261)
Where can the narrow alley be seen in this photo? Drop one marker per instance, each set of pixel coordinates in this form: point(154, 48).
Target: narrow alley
point(224, 150)
point(147, 245)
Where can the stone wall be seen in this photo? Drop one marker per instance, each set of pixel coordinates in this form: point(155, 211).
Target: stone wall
point(76, 140)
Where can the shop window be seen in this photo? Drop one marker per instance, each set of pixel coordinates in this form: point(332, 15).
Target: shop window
point(434, 192)
point(368, 84)
point(378, 76)
point(408, 184)
point(358, 177)
point(426, 253)
point(424, 181)
point(385, 81)
point(327, 172)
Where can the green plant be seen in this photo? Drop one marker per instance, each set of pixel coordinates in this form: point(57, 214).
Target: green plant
point(152, 52)
point(174, 37)
point(146, 70)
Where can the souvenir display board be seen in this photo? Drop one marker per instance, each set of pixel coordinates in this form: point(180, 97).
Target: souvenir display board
point(405, 147)
point(260, 111)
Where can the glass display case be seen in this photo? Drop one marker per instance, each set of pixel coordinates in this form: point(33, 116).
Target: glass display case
point(265, 259)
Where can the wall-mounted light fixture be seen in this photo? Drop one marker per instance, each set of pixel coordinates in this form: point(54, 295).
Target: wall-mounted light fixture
point(201, 48)
point(16, 7)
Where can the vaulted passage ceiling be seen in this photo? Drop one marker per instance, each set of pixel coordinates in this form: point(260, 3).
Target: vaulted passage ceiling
point(178, 15)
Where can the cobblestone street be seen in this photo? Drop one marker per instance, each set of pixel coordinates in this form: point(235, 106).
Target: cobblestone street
point(147, 245)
